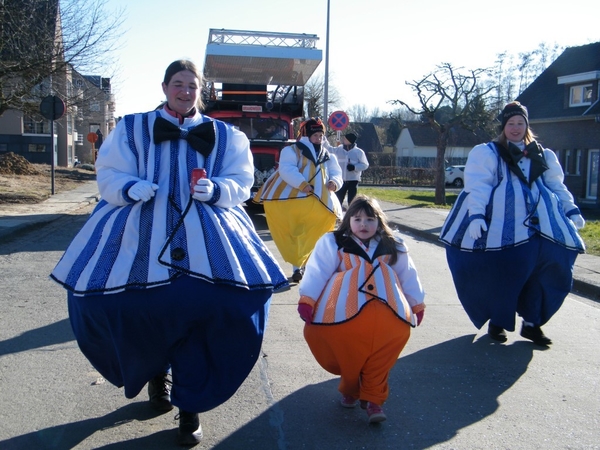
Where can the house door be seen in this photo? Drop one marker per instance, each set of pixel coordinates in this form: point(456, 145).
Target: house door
point(591, 191)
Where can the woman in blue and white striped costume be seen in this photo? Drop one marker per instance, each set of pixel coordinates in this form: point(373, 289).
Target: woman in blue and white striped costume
point(165, 275)
point(512, 234)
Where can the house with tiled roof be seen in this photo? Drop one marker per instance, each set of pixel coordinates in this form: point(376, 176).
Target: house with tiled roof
point(416, 146)
point(367, 137)
point(564, 112)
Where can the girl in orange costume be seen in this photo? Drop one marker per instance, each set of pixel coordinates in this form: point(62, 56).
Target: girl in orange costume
point(359, 297)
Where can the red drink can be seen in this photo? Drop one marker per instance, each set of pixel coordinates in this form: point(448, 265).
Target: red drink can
point(197, 174)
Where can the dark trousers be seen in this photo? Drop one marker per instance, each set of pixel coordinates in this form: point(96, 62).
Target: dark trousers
point(350, 187)
point(210, 335)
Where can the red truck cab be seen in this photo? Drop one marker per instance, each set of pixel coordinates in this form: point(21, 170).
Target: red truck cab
point(268, 126)
point(254, 81)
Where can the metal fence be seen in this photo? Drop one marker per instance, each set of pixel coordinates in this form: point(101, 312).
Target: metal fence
point(401, 176)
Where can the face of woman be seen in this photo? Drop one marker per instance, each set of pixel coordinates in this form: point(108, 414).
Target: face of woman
point(316, 138)
point(515, 128)
point(183, 92)
point(363, 227)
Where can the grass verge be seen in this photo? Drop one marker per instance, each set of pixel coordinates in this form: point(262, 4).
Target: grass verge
point(425, 199)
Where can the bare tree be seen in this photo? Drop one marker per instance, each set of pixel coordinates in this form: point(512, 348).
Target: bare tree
point(314, 96)
point(450, 98)
point(514, 73)
point(359, 113)
point(42, 41)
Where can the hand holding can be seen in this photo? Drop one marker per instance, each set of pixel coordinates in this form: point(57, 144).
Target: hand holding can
point(197, 174)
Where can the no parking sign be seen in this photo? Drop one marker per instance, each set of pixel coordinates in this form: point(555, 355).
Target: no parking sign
point(338, 120)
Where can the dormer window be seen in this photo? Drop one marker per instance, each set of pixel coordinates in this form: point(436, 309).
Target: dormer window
point(580, 87)
point(581, 95)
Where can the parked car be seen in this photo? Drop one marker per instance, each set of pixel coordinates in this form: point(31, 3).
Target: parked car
point(455, 176)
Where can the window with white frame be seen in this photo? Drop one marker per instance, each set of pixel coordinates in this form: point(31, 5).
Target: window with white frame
point(568, 162)
point(578, 156)
point(37, 148)
point(581, 95)
point(32, 126)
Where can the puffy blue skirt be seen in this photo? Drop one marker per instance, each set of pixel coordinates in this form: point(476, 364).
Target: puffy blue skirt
point(531, 280)
point(209, 335)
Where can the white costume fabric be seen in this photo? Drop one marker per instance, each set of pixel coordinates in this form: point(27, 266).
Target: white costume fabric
point(513, 210)
point(342, 280)
point(355, 156)
point(127, 244)
point(299, 165)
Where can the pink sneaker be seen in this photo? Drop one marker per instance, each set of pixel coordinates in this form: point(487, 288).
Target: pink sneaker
point(375, 413)
point(348, 401)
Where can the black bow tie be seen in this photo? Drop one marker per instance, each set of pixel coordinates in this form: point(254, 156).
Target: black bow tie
point(513, 154)
point(201, 138)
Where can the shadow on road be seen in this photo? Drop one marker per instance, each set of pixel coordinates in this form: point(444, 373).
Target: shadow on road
point(435, 393)
point(72, 434)
point(55, 333)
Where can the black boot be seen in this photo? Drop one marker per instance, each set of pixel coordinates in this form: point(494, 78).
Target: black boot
point(534, 333)
point(496, 333)
point(298, 274)
point(159, 393)
point(190, 430)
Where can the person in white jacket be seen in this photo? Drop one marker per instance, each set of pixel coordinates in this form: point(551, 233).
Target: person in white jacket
point(353, 162)
point(511, 237)
point(299, 201)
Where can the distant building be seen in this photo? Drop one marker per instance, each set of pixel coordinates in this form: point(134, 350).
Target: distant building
point(95, 113)
point(367, 137)
point(564, 111)
point(89, 108)
point(417, 146)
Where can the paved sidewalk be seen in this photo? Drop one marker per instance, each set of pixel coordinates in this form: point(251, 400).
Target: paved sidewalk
point(425, 223)
point(19, 217)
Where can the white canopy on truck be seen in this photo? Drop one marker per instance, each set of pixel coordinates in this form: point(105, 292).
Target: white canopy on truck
point(260, 58)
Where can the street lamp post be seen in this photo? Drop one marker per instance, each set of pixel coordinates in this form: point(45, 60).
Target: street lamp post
point(326, 87)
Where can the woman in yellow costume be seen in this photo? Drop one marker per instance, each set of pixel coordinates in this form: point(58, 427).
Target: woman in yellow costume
point(299, 199)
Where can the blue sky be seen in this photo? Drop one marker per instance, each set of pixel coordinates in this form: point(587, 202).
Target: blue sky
point(375, 46)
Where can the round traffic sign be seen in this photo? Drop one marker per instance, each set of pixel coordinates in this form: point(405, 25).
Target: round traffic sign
point(52, 107)
point(92, 137)
point(338, 120)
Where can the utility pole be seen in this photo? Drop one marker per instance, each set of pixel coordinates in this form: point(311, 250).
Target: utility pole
point(326, 90)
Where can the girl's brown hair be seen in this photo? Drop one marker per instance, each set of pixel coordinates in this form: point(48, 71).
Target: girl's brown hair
point(371, 208)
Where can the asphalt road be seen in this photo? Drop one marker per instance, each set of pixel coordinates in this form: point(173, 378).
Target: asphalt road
point(452, 388)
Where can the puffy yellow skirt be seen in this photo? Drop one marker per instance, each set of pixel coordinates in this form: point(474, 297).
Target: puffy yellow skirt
point(296, 225)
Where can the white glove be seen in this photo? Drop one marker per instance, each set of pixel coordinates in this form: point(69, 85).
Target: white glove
point(204, 189)
point(476, 227)
point(578, 221)
point(142, 190)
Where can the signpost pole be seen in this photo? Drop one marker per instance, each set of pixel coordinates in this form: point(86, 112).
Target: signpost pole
point(326, 87)
point(52, 155)
point(52, 108)
point(93, 138)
